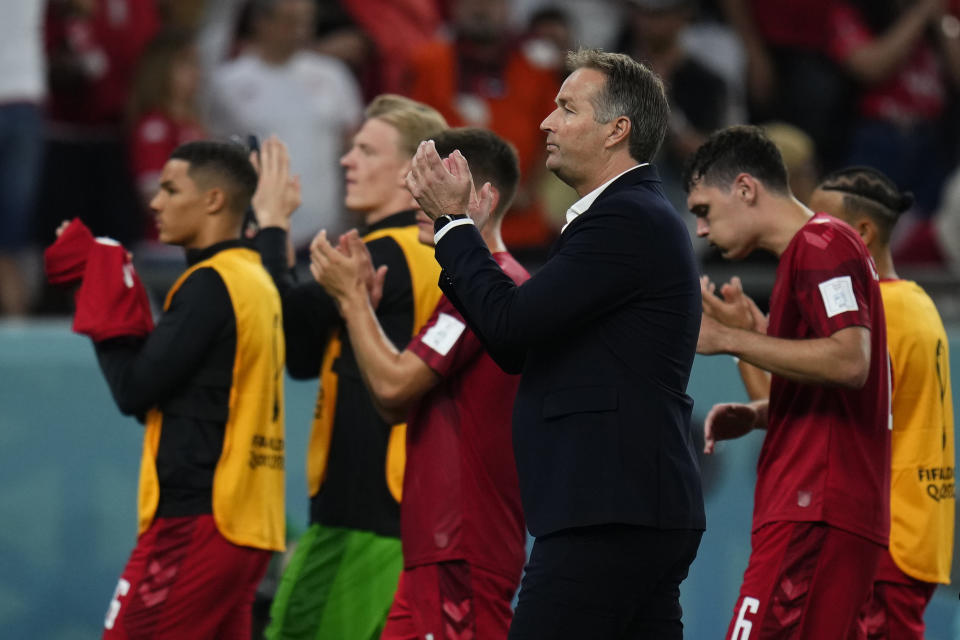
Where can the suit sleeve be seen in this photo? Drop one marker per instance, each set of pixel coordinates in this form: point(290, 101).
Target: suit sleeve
point(142, 373)
point(599, 266)
point(309, 314)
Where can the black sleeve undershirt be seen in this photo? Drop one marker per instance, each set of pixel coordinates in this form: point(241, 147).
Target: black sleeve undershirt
point(309, 314)
point(142, 373)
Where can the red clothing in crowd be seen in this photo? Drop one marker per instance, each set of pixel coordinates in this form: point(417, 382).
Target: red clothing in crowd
point(155, 135)
point(915, 92)
point(792, 23)
point(94, 58)
point(511, 101)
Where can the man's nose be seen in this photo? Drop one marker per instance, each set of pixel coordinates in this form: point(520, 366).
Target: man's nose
point(546, 124)
point(702, 227)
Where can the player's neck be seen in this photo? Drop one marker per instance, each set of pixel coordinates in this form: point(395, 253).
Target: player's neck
point(491, 236)
point(884, 260)
point(787, 217)
point(401, 201)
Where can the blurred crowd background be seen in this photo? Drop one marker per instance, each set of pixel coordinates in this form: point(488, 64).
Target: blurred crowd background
point(94, 95)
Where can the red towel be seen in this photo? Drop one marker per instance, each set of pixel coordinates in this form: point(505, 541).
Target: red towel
point(66, 258)
point(111, 300)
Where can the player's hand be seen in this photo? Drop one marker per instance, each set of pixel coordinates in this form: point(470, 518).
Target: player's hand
point(712, 338)
point(735, 309)
point(727, 421)
point(278, 193)
point(440, 186)
point(63, 227)
point(346, 271)
point(353, 246)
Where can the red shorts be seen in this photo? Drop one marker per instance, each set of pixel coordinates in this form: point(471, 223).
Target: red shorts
point(450, 601)
point(895, 610)
point(804, 580)
point(184, 580)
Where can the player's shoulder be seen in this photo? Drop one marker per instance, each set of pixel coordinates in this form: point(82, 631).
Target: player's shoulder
point(511, 267)
point(826, 239)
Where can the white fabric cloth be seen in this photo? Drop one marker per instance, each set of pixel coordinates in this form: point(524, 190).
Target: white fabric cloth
point(313, 103)
point(22, 61)
point(584, 203)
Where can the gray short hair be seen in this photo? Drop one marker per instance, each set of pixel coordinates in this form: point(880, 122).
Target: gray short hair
point(633, 91)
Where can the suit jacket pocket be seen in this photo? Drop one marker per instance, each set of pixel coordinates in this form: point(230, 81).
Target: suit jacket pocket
point(579, 400)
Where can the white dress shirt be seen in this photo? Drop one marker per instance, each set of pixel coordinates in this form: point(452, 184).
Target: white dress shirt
point(586, 201)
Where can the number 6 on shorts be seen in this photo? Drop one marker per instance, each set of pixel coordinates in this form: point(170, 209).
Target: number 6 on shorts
point(741, 630)
point(123, 587)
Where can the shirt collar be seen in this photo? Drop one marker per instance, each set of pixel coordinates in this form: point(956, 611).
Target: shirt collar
point(586, 201)
point(400, 219)
point(196, 255)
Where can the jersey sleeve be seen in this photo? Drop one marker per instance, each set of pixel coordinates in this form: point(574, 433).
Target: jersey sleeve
point(445, 343)
point(832, 281)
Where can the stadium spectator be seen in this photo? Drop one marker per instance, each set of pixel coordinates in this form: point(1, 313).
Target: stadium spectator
point(481, 77)
point(163, 110)
point(821, 508)
point(394, 28)
point(790, 77)
point(461, 522)
point(93, 47)
point(342, 577)
point(604, 334)
point(208, 382)
point(698, 96)
point(548, 38)
point(906, 58)
point(22, 91)
point(277, 86)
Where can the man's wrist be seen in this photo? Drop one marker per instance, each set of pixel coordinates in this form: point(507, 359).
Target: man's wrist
point(446, 222)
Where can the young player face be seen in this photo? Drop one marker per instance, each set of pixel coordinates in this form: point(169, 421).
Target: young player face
point(375, 168)
point(178, 205)
point(720, 219)
point(574, 137)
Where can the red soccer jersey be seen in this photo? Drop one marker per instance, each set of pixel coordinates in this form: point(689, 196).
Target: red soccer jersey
point(826, 455)
point(461, 496)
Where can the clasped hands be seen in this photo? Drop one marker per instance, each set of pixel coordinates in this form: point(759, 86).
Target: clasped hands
point(734, 310)
point(346, 270)
point(444, 186)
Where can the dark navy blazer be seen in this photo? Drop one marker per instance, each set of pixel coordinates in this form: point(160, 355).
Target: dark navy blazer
point(604, 335)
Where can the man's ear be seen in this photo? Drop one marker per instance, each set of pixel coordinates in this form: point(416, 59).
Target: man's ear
point(619, 131)
point(746, 188)
point(867, 230)
point(214, 200)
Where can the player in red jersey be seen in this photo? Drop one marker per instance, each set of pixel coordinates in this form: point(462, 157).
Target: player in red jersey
point(821, 506)
point(461, 521)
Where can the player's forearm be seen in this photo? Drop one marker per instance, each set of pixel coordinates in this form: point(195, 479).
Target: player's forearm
point(756, 381)
point(379, 360)
point(875, 61)
point(841, 360)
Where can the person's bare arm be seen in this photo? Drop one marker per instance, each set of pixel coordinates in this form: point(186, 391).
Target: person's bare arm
point(396, 379)
point(842, 359)
point(875, 61)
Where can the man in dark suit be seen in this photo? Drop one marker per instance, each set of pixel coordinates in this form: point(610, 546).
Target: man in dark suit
point(604, 336)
